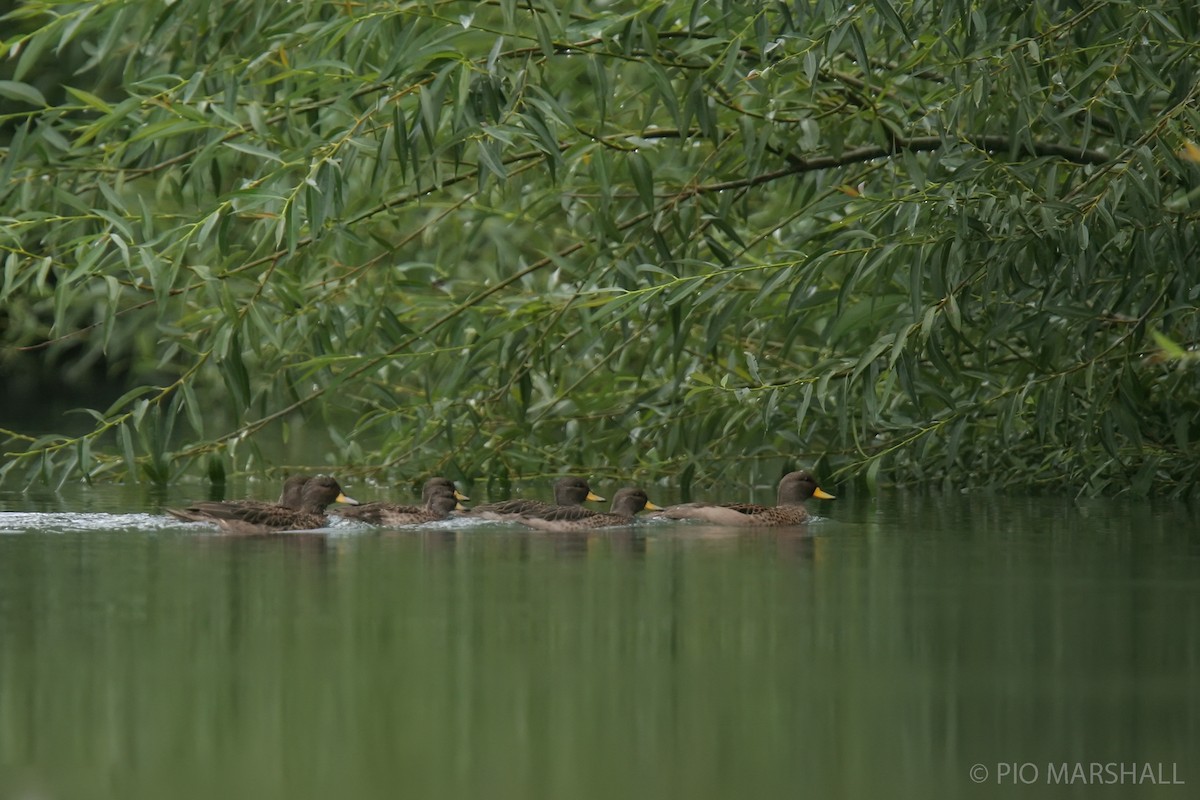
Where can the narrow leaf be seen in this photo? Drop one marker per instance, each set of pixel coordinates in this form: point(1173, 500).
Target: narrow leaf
point(16, 90)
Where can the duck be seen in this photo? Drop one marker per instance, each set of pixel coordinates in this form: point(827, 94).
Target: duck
point(241, 516)
point(794, 489)
point(292, 495)
point(569, 491)
point(626, 503)
point(437, 483)
point(440, 498)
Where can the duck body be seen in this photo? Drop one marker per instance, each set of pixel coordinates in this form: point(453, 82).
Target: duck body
point(439, 497)
point(438, 484)
point(568, 493)
point(292, 496)
point(794, 489)
point(240, 516)
point(626, 503)
point(437, 506)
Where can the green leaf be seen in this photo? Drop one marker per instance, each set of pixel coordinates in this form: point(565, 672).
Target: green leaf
point(643, 179)
point(253, 150)
point(119, 405)
point(489, 159)
point(1168, 346)
point(545, 42)
point(89, 99)
point(126, 437)
point(16, 90)
point(191, 405)
point(888, 12)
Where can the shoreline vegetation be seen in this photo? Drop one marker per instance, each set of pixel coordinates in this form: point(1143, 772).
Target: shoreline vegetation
point(953, 245)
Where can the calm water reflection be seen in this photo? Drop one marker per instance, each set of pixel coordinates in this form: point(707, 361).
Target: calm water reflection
point(880, 653)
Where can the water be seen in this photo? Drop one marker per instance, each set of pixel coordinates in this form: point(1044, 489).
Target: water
point(886, 651)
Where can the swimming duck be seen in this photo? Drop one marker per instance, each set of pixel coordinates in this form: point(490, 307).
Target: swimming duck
point(438, 483)
point(568, 491)
point(242, 517)
point(794, 489)
point(292, 495)
point(440, 498)
point(626, 503)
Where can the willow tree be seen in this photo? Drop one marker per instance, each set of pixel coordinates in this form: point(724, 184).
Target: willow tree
point(950, 241)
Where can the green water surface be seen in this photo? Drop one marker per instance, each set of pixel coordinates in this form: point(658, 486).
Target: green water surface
point(885, 651)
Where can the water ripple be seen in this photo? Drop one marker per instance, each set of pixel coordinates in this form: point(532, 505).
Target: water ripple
point(73, 522)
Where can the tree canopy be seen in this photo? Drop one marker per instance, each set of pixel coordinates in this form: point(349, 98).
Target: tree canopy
point(948, 242)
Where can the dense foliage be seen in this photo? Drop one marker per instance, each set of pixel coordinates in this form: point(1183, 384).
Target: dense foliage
point(951, 241)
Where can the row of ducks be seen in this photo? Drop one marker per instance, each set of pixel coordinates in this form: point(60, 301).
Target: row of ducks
point(303, 504)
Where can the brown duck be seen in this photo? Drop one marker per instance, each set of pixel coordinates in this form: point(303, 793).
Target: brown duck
point(568, 491)
point(241, 516)
point(440, 498)
point(794, 489)
point(292, 495)
point(626, 503)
